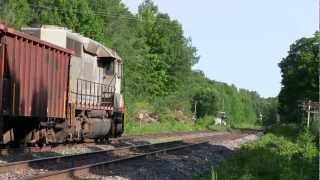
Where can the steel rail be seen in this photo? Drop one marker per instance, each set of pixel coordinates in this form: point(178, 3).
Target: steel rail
point(70, 159)
point(8, 150)
point(60, 164)
point(72, 173)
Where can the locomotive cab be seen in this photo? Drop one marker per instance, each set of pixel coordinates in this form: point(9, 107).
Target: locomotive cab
point(95, 93)
point(111, 76)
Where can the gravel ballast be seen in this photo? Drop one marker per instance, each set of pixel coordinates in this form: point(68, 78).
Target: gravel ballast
point(184, 164)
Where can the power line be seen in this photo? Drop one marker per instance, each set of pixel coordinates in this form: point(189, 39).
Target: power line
point(97, 13)
point(104, 14)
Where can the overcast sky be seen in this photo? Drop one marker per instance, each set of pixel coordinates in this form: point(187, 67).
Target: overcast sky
point(241, 42)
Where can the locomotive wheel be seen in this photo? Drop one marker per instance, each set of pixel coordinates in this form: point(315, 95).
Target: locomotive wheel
point(119, 128)
point(42, 138)
point(104, 140)
point(42, 142)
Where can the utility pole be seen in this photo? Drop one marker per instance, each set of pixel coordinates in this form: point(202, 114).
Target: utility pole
point(222, 104)
point(318, 114)
point(194, 118)
point(318, 44)
point(318, 119)
point(260, 117)
point(309, 108)
point(195, 107)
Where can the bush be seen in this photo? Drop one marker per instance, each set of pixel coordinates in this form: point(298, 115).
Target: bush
point(315, 127)
point(206, 100)
point(273, 157)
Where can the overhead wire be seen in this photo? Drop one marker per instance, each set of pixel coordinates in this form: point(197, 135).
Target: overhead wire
point(97, 13)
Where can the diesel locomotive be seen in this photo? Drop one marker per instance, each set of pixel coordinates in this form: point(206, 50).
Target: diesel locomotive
point(58, 86)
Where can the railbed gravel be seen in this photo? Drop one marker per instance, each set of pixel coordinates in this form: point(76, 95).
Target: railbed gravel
point(126, 141)
point(179, 162)
point(121, 142)
point(184, 164)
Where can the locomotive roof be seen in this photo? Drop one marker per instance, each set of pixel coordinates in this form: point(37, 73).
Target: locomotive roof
point(99, 50)
point(89, 45)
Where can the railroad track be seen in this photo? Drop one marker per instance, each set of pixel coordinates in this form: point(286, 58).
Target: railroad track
point(115, 141)
point(84, 171)
point(67, 167)
point(118, 142)
point(7, 151)
point(73, 166)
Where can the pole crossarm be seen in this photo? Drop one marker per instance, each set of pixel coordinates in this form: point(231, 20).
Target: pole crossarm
point(309, 106)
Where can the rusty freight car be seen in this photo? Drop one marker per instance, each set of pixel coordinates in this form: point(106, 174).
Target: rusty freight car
point(34, 83)
point(57, 86)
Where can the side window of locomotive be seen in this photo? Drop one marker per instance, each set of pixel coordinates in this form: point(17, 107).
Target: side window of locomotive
point(107, 66)
point(76, 46)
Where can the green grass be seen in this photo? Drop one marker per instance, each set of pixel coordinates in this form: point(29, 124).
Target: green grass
point(171, 125)
point(246, 126)
point(168, 123)
point(133, 128)
point(283, 153)
point(167, 119)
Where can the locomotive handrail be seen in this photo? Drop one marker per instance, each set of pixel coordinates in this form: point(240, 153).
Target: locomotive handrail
point(111, 81)
point(91, 93)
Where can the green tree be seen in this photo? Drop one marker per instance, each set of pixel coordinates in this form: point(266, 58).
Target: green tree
point(206, 100)
point(15, 13)
point(299, 77)
point(158, 58)
point(75, 15)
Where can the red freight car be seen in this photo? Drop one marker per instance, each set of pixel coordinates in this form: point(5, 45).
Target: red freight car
point(33, 83)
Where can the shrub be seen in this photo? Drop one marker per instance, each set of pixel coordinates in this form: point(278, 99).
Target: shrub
point(273, 157)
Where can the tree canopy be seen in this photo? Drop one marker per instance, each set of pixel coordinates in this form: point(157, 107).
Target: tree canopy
point(300, 80)
point(158, 57)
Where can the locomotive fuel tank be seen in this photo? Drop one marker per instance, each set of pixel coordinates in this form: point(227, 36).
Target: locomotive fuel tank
point(96, 128)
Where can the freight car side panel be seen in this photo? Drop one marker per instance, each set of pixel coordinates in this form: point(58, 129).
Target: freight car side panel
point(2, 50)
point(35, 76)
